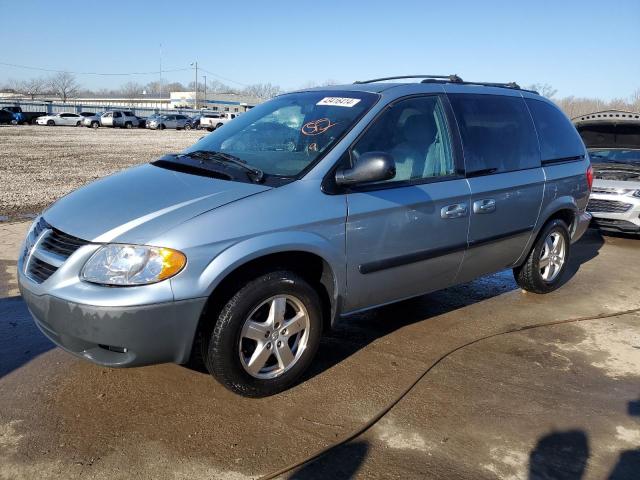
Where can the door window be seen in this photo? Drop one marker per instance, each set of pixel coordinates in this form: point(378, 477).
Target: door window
point(117, 114)
point(497, 133)
point(414, 132)
point(558, 137)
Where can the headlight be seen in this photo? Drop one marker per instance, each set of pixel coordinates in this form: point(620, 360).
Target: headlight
point(132, 265)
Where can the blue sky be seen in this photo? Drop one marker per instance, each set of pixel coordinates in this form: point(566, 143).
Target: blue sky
point(582, 48)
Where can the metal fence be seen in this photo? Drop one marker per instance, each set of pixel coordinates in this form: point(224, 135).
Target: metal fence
point(52, 107)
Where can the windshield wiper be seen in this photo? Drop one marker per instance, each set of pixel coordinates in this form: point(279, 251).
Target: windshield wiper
point(253, 172)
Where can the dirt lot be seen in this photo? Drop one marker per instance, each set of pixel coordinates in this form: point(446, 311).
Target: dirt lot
point(40, 164)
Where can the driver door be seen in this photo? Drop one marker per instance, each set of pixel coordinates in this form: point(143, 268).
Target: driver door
point(407, 236)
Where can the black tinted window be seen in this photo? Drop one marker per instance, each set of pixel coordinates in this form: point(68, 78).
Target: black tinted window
point(558, 137)
point(497, 133)
point(415, 133)
point(117, 114)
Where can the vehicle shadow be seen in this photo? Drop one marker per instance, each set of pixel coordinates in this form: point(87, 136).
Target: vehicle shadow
point(356, 332)
point(565, 456)
point(342, 463)
point(20, 339)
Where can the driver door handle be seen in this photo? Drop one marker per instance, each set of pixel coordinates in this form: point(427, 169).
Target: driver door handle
point(456, 210)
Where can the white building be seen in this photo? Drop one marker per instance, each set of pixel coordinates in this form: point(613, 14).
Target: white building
point(222, 102)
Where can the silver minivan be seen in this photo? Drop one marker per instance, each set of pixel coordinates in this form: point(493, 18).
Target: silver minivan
point(307, 209)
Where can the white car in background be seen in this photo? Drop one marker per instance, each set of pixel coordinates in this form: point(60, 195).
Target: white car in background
point(613, 140)
point(68, 119)
point(211, 121)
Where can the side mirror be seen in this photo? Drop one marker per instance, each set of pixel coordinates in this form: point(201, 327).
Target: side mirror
point(370, 167)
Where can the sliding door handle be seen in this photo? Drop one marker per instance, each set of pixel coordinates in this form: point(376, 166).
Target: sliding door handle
point(488, 205)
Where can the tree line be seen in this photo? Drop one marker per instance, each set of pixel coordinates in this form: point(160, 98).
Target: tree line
point(64, 86)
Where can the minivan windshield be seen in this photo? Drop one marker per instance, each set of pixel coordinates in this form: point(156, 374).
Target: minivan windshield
point(286, 135)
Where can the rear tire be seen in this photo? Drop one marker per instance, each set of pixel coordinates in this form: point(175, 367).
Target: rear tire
point(187, 126)
point(219, 125)
point(95, 124)
point(161, 127)
point(543, 269)
point(128, 125)
point(78, 124)
point(273, 360)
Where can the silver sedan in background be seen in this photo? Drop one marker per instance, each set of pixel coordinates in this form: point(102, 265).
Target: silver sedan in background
point(177, 121)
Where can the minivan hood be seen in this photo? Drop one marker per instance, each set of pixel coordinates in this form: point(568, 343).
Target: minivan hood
point(141, 203)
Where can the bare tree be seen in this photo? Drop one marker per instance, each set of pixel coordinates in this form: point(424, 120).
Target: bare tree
point(634, 100)
point(263, 91)
point(64, 85)
point(543, 89)
point(131, 90)
point(33, 87)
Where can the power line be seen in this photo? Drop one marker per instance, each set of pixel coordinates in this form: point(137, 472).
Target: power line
point(223, 78)
point(50, 70)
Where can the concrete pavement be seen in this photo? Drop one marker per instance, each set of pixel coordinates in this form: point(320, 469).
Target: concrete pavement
point(515, 406)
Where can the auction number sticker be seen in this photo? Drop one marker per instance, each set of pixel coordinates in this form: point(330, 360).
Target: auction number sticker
point(338, 101)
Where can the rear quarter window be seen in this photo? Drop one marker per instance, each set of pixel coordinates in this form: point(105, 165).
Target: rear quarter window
point(497, 133)
point(559, 140)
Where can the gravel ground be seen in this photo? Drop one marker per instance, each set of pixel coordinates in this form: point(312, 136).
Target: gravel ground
point(40, 164)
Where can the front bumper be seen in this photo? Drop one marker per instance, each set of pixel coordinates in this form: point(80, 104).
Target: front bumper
point(115, 327)
point(118, 336)
point(619, 213)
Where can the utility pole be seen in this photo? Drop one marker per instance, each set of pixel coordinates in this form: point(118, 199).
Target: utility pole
point(205, 90)
point(160, 75)
point(196, 92)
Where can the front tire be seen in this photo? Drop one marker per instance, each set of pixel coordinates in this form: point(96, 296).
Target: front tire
point(265, 336)
point(51, 123)
point(543, 269)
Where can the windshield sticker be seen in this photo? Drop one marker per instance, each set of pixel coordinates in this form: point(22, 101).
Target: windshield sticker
point(316, 127)
point(339, 101)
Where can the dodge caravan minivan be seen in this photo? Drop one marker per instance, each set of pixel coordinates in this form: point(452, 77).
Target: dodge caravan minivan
point(306, 209)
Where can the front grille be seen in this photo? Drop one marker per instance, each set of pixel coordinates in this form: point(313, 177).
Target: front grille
point(39, 271)
point(605, 190)
point(608, 206)
point(61, 244)
point(50, 251)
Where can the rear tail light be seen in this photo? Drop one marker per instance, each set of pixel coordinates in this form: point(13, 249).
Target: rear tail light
point(590, 176)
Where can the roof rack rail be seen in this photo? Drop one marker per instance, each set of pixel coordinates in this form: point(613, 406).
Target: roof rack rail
point(451, 78)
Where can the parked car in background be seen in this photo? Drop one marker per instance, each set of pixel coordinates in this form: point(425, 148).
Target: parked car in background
point(247, 247)
point(92, 121)
point(22, 117)
point(6, 117)
point(87, 114)
point(613, 141)
point(65, 119)
point(211, 121)
point(119, 118)
point(177, 121)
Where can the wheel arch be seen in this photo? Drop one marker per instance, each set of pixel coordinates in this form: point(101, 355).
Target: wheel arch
point(563, 208)
point(306, 254)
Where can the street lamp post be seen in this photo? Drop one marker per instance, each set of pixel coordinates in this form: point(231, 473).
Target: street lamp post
point(205, 90)
point(196, 92)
